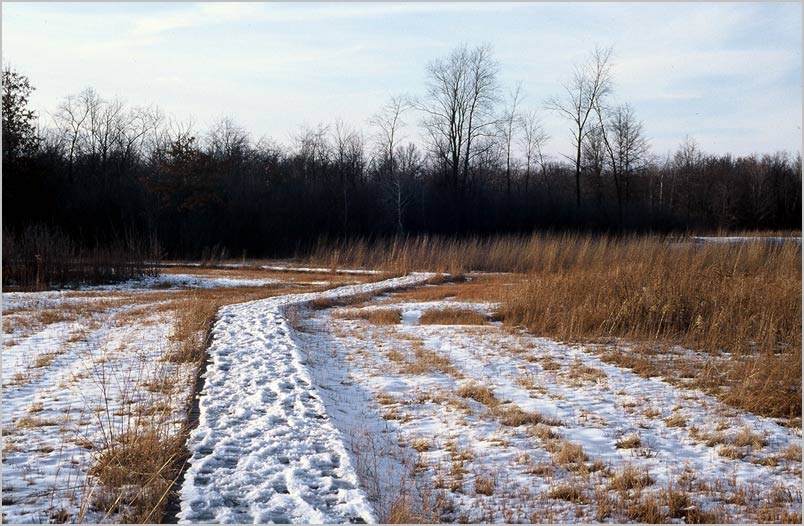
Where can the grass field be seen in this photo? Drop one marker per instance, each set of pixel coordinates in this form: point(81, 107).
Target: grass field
point(536, 379)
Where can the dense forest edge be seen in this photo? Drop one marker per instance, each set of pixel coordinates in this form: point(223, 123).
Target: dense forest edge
point(103, 189)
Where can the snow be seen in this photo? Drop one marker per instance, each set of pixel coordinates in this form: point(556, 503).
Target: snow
point(265, 449)
point(51, 411)
point(188, 281)
point(305, 417)
point(202, 282)
point(594, 412)
point(287, 267)
point(747, 239)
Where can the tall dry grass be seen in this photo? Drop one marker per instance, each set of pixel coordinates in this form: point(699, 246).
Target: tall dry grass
point(40, 258)
point(508, 253)
point(741, 299)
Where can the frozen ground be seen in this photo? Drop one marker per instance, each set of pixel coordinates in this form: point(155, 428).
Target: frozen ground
point(68, 389)
point(79, 367)
point(310, 414)
point(280, 267)
point(478, 463)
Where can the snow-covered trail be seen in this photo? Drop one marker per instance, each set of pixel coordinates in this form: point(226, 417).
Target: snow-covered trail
point(265, 449)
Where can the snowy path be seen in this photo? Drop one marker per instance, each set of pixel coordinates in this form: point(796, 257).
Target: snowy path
point(265, 449)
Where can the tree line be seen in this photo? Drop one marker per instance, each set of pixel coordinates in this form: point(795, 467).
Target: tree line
point(101, 172)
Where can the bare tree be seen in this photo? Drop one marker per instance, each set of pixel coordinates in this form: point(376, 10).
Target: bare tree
point(509, 123)
point(687, 161)
point(532, 143)
point(227, 140)
point(590, 84)
point(627, 150)
point(389, 124)
point(462, 90)
point(69, 119)
point(350, 163)
point(594, 158)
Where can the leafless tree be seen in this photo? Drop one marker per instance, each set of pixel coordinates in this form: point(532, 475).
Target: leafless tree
point(508, 124)
point(312, 148)
point(532, 144)
point(686, 163)
point(350, 162)
point(590, 84)
point(227, 140)
point(389, 124)
point(627, 149)
point(69, 120)
point(462, 90)
point(594, 158)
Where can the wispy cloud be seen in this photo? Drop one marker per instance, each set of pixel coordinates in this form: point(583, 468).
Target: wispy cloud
point(687, 68)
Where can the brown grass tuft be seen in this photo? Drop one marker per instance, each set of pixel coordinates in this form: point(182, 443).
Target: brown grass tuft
point(426, 361)
point(513, 416)
point(136, 478)
point(629, 442)
point(747, 437)
point(792, 453)
point(569, 492)
point(732, 452)
point(453, 316)
point(485, 485)
point(630, 478)
point(479, 393)
point(569, 453)
point(375, 316)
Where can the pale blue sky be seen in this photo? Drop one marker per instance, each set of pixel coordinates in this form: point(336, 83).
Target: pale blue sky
point(727, 74)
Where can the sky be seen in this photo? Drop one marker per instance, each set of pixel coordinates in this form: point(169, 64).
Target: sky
point(729, 75)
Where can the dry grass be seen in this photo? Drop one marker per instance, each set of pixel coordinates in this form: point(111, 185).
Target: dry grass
point(485, 484)
point(646, 509)
point(732, 452)
point(375, 316)
point(569, 454)
point(252, 270)
point(513, 416)
point(322, 303)
point(744, 299)
point(630, 478)
point(30, 422)
point(479, 393)
point(792, 453)
point(45, 359)
point(582, 372)
point(421, 445)
point(747, 437)
point(479, 287)
point(632, 441)
point(570, 492)
point(453, 316)
point(426, 361)
point(676, 420)
point(136, 481)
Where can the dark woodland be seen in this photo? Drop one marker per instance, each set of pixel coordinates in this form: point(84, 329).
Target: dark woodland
point(104, 175)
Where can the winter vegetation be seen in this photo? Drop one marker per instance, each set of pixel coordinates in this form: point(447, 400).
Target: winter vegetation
point(200, 326)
